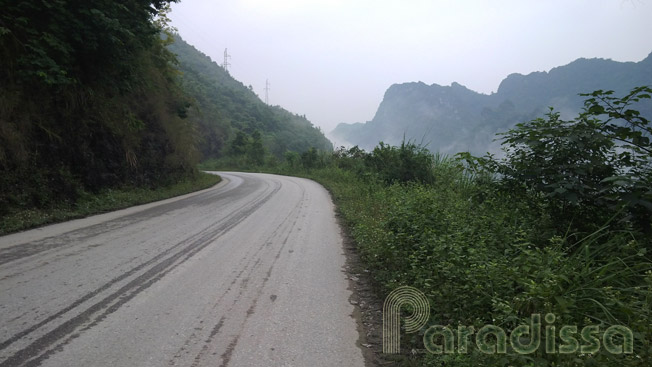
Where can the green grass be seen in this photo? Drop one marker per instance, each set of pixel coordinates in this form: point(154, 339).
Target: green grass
point(105, 201)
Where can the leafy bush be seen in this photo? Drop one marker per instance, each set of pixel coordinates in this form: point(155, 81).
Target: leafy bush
point(310, 158)
point(351, 159)
point(406, 163)
point(588, 168)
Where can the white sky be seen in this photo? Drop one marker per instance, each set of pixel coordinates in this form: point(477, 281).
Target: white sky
point(332, 60)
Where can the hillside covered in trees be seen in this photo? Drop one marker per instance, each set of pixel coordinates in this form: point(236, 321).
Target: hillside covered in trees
point(451, 119)
point(91, 98)
point(229, 114)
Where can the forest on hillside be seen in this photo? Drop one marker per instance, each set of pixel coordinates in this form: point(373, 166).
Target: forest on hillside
point(227, 112)
point(88, 100)
point(95, 95)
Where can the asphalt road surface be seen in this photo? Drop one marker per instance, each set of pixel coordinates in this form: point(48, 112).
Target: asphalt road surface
point(248, 273)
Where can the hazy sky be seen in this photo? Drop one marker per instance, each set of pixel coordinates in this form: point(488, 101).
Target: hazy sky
point(332, 60)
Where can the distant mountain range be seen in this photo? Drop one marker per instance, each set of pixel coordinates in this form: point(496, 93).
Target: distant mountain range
point(451, 119)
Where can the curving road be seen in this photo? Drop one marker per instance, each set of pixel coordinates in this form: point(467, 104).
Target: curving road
point(248, 273)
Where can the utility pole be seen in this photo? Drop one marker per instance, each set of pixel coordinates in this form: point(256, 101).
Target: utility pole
point(266, 91)
point(226, 63)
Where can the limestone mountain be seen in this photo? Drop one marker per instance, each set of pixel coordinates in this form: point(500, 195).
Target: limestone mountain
point(450, 119)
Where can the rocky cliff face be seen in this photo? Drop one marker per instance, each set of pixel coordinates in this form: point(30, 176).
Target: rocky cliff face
point(453, 118)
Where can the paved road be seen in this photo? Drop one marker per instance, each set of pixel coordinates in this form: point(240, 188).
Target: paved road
point(248, 273)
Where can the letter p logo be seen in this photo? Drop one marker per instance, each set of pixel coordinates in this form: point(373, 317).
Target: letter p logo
point(399, 297)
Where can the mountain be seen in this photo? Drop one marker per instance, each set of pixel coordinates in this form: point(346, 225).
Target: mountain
point(450, 119)
point(222, 106)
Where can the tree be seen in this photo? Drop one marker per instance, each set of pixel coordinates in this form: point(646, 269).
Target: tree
point(239, 144)
point(590, 167)
point(256, 151)
point(309, 158)
point(408, 162)
point(292, 158)
point(89, 99)
point(60, 43)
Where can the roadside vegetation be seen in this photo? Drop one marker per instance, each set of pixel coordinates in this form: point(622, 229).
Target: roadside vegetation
point(561, 224)
point(89, 104)
point(106, 200)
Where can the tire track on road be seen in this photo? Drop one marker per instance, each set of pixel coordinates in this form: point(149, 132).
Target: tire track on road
point(226, 356)
point(292, 218)
point(39, 349)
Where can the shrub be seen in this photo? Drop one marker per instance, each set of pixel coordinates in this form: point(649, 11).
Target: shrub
point(588, 169)
point(405, 163)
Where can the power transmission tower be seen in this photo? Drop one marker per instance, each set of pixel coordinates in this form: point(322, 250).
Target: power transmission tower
point(226, 63)
point(267, 91)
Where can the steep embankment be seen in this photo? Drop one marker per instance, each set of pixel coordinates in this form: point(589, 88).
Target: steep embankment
point(88, 101)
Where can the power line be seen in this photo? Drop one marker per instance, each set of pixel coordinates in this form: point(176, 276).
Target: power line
point(226, 63)
point(267, 91)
